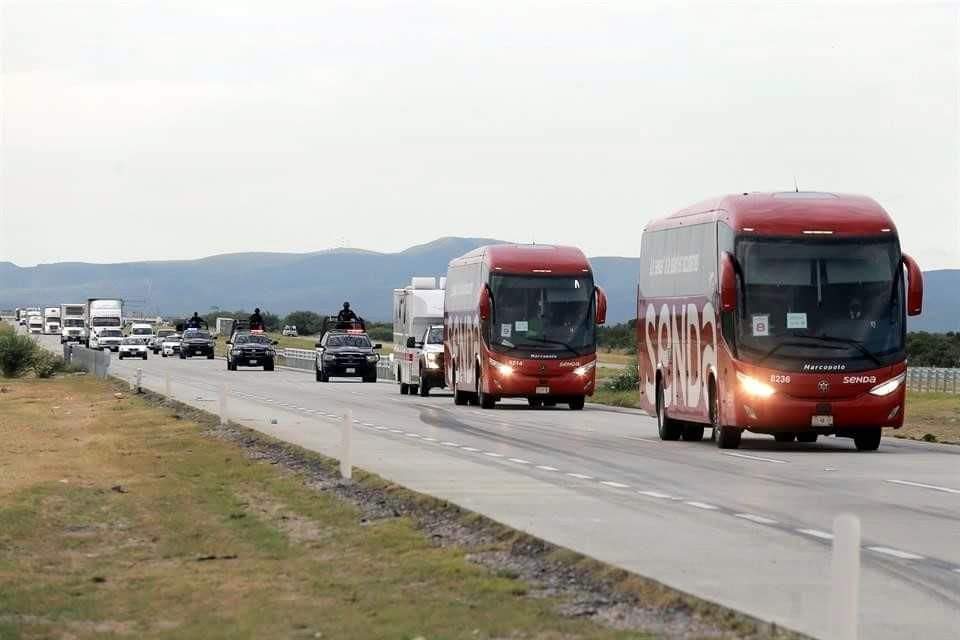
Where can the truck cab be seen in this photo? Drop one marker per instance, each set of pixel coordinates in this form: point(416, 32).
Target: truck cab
point(35, 323)
point(417, 308)
point(73, 323)
point(51, 321)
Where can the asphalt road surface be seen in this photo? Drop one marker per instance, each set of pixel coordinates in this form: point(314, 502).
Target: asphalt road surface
point(748, 528)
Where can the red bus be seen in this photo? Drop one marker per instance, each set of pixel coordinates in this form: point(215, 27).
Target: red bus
point(520, 322)
point(776, 313)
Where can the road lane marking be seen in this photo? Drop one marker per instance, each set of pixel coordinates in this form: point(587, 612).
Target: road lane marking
point(450, 444)
point(896, 553)
point(544, 467)
point(519, 460)
point(429, 439)
point(640, 439)
point(395, 431)
point(492, 455)
point(753, 518)
point(367, 424)
point(615, 485)
point(655, 494)
point(700, 505)
point(580, 476)
point(381, 428)
point(412, 435)
point(748, 457)
point(924, 486)
point(470, 449)
point(816, 533)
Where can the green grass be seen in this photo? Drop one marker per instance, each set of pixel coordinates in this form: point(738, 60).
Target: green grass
point(78, 559)
point(934, 417)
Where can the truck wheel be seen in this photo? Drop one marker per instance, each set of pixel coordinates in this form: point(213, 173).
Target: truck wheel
point(119, 356)
point(414, 389)
point(692, 433)
point(807, 436)
point(784, 437)
point(424, 389)
point(867, 439)
point(535, 403)
point(268, 366)
point(576, 404)
point(209, 356)
point(164, 354)
point(404, 388)
point(144, 355)
point(370, 378)
point(667, 428)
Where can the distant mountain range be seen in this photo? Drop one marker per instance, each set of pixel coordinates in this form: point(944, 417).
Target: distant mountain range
point(321, 281)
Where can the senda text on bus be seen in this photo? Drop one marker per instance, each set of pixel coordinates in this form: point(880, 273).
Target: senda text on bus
point(776, 313)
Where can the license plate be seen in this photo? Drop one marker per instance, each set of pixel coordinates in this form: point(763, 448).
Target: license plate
point(543, 390)
point(821, 421)
point(253, 361)
point(351, 370)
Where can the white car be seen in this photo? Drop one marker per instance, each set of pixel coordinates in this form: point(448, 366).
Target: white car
point(290, 330)
point(132, 347)
point(170, 346)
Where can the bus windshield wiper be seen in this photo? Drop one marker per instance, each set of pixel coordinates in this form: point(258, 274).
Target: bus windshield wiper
point(559, 342)
point(859, 346)
point(786, 343)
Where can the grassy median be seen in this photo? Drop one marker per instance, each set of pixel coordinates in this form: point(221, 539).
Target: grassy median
point(119, 518)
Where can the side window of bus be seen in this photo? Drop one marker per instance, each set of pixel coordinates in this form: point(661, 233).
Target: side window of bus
point(725, 242)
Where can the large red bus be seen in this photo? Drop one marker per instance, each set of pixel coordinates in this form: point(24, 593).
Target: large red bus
point(776, 313)
point(520, 322)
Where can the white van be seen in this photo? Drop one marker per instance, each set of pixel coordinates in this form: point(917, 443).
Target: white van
point(416, 309)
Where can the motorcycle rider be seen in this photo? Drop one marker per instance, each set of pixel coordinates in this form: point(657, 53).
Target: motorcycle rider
point(346, 314)
point(256, 320)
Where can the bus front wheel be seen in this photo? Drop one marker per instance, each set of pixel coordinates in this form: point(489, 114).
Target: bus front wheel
point(667, 428)
point(867, 439)
point(726, 437)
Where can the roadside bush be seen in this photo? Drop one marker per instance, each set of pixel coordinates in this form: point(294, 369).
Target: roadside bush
point(17, 354)
point(380, 331)
point(45, 364)
point(626, 380)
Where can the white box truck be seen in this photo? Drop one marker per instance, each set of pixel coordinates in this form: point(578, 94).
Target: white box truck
point(418, 317)
point(104, 323)
point(35, 321)
point(51, 321)
point(73, 322)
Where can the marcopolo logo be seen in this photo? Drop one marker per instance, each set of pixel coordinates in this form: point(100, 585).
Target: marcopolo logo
point(823, 366)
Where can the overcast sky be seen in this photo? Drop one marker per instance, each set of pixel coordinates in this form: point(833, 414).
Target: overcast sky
point(153, 130)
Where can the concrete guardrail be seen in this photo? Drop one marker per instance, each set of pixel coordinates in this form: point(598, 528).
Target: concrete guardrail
point(90, 360)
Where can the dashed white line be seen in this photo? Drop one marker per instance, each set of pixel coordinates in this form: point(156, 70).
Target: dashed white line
point(700, 505)
point(580, 476)
point(470, 449)
point(816, 533)
point(412, 435)
point(380, 428)
point(450, 444)
point(749, 457)
point(615, 485)
point(492, 454)
point(655, 494)
point(367, 424)
point(544, 467)
point(640, 439)
point(519, 460)
point(429, 439)
point(753, 518)
point(924, 486)
point(395, 431)
point(896, 553)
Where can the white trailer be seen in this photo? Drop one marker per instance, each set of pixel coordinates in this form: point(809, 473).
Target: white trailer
point(35, 322)
point(104, 323)
point(73, 322)
point(51, 321)
point(416, 308)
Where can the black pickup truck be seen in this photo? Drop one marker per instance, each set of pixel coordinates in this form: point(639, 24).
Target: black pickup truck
point(346, 354)
point(251, 349)
point(196, 342)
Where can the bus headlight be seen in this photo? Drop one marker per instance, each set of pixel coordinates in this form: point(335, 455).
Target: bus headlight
point(585, 369)
point(888, 387)
point(503, 369)
point(754, 387)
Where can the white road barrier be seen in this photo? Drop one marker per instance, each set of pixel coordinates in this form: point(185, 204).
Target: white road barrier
point(346, 446)
point(224, 417)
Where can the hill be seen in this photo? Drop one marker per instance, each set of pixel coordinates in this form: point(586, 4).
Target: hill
point(321, 281)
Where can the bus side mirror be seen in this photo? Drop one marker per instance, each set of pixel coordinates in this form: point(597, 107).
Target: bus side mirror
point(601, 306)
point(914, 286)
point(485, 303)
point(728, 282)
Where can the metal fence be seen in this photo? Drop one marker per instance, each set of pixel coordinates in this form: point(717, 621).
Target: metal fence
point(306, 359)
point(90, 360)
point(932, 379)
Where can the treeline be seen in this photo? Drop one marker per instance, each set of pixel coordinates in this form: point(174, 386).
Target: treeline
point(308, 323)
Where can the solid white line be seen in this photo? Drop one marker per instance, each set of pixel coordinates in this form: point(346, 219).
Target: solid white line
point(519, 460)
point(924, 486)
point(450, 444)
point(655, 494)
point(470, 449)
point(896, 553)
point(615, 485)
point(546, 468)
point(743, 455)
point(753, 518)
point(823, 535)
point(492, 455)
point(700, 505)
point(580, 476)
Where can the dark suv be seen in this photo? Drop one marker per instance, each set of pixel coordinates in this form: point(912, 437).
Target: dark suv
point(250, 350)
point(347, 354)
point(196, 342)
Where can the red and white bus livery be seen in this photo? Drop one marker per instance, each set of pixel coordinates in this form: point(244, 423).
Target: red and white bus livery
point(520, 322)
point(777, 313)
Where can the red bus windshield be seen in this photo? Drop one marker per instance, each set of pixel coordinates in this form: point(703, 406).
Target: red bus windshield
point(542, 313)
point(812, 304)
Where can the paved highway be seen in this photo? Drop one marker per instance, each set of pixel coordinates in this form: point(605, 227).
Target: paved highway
point(746, 528)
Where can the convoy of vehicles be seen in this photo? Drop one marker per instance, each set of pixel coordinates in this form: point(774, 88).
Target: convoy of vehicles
point(196, 342)
point(346, 354)
point(251, 349)
point(104, 314)
point(133, 347)
point(520, 322)
point(777, 313)
point(73, 319)
point(51, 321)
point(415, 309)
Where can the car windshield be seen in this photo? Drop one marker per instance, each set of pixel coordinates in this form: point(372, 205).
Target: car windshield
point(435, 335)
point(132, 341)
point(172, 339)
point(142, 331)
point(111, 333)
point(349, 341)
point(105, 322)
point(252, 339)
point(807, 300)
point(545, 313)
point(163, 333)
point(197, 335)
point(72, 322)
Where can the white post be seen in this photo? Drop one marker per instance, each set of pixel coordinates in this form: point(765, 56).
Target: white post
point(346, 446)
point(224, 418)
point(845, 578)
point(138, 380)
point(166, 383)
